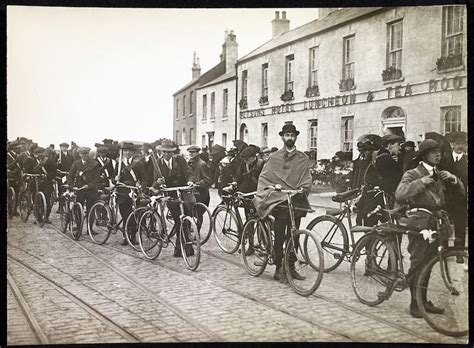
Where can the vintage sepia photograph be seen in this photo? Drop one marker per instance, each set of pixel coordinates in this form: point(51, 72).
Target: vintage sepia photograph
point(237, 175)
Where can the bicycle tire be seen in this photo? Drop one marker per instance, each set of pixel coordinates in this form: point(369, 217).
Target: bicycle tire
point(455, 319)
point(77, 220)
point(25, 205)
point(334, 242)
point(64, 217)
point(227, 230)
point(11, 202)
point(135, 214)
point(372, 273)
point(148, 221)
point(254, 247)
point(309, 263)
point(205, 226)
point(189, 238)
point(40, 207)
point(100, 212)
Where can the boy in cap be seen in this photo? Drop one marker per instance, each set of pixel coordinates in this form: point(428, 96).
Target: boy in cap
point(424, 187)
point(249, 170)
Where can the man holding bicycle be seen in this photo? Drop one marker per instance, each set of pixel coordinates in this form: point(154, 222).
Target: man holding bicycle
point(48, 169)
point(424, 187)
point(289, 168)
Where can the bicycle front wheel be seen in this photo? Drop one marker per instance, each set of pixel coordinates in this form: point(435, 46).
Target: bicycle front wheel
point(444, 282)
point(226, 230)
point(307, 262)
point(77, 221)
point(190, 243)
point(25, 205)
point(11, 202)
point(64, 217)
point(40, 209)
point(255, 246)
point(332, 235)
point(99, 222)
point(131, 227)
point(373, 269)
point(202, 218)
point(150, 234)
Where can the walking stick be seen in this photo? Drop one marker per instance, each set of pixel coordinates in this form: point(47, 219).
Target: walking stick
point(120, 164)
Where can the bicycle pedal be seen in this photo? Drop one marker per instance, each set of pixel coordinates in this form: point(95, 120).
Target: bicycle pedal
point(337, 256)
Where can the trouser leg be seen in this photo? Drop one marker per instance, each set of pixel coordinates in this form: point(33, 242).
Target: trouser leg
point(459, 220)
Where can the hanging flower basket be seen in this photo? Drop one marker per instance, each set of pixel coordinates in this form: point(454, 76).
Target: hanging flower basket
point(243, 103)
point(287, 96)
point(449, 62)
point(312, 91)
point(263, 100)
point(346, 84)
point(391, 73)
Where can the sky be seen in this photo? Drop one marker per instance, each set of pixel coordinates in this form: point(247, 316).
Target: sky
point(85, 74)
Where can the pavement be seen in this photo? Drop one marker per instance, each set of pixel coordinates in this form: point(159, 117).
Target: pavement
point(80, 292)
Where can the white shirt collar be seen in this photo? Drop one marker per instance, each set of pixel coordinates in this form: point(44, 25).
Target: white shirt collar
point(291, 150)
point(168, 163)
point(428, 167)
point(457, 156)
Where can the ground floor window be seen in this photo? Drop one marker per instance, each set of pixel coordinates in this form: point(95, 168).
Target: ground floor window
point(203, 143)
point(451, 117)
point(264, 134)
point(224, 140)
point(347, 132)
point(244, 133)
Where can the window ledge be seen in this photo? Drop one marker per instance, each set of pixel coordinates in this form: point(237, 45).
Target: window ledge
point(191, 115)
point(394, 81)
point(263, 104)
point(204, 121)
point(445, 71)
point(225, 118)
point(347, 89)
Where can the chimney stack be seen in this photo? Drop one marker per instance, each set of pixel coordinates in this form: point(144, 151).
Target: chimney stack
point(280, 25)
point(196, 67)
point(230, 50)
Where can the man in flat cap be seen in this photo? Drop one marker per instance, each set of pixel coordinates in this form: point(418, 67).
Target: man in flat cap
point(64, 163)
point(456, 163)
point(174, 172)
point(289, 168)
point(84, 173)
point(216, 155)
point(265, 153)
point(147, 164)
point(408, 154)
point(249, 170)
point(424, 187)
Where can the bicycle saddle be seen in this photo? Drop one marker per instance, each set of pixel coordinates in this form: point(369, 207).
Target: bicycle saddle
point(345, 196)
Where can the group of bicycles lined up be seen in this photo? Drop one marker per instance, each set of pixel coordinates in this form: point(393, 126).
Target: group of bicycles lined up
point(376, 259)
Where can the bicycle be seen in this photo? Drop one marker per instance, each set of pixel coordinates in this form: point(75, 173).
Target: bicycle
point(226, 219)
point(32, 199)
point(153, 232)
point(257, 249)
point(60, 176)
point(103, 217)
point(332, 232)
point(377, 270)
point(71, 212)
point(11, 196)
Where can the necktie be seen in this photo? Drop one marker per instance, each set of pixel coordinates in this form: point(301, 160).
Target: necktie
point(435, 174)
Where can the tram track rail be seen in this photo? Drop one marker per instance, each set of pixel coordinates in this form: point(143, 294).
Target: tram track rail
point(78, 301)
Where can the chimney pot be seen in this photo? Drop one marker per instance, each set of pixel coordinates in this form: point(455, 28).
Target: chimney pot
point(283, 15)
point(277, 14)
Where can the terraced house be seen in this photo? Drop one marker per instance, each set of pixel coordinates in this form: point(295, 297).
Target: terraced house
point(354, 71)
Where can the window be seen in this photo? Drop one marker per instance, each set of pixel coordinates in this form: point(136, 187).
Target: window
point(313, 66)
point(177, 137)
point(313, 134)
point(183, 135)
point(347, 128)
point(244, 84)
point(213, 106)
point(204, 107)
point(453, 19)
point(191, 136)
point(177, 108)
point(211, 139)
point(289, 73)
point(265, 80)
point(395, 40)
point(244, 133)
point(203, 142)
point(184, 106)
point(224, 139)
point(191, 101)
point(451, 119)
point(225, 103)
point(348, 72)
point(264, 134)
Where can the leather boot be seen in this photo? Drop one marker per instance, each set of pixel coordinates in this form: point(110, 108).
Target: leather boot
point(276, 275)
point(414, 309)
point(282, 275)
point(429, 306)
point(294, 274)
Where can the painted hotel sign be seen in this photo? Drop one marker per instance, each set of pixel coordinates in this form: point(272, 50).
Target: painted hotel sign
point(387, 93)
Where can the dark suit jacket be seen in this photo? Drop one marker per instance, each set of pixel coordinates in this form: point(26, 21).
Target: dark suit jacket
point(148, 170)
point(247, 180)
point(386, 172)
point(132, 173)
point(179, 175)
point(454, 200)
point(65, 161)
point(81, 174)
point(105, 171)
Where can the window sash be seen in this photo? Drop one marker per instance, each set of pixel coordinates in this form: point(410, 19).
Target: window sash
point(452, 120)
point(313, 135)
point(191, 135)
point(313, 76)
point(453, 23)
point(348, 72)
point(224, 139)
point(244, 84)
point(265, 81)
point(213, 105)
point(226, 103)
point(347, 131)
point(289, 74)
point(177, 108)
point(191, 102)
point(204, 107)
point(265, 134)
point(184, 106)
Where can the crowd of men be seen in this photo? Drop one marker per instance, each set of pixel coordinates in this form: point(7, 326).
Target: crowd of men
point(433, 177)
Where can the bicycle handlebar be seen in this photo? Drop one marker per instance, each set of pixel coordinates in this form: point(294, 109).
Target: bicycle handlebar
point(277, 187)
point(178, 188)
point(119, 184)
point(28, 175)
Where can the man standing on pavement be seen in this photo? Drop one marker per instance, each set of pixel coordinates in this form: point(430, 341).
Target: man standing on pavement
point(174, 172)
point(249, 170)
point(408, 155)
point(147, 164)
point(48, 168)
point(216, 155)
point(84, 174)
point(106, 168)
point(289, 168)
point(456, 163)
point(424, 187)
point(65, 160)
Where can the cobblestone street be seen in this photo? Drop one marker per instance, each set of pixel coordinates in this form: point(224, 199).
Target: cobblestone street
point(80, 292)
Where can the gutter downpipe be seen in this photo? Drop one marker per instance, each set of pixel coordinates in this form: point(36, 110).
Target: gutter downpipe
point(236, 97)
